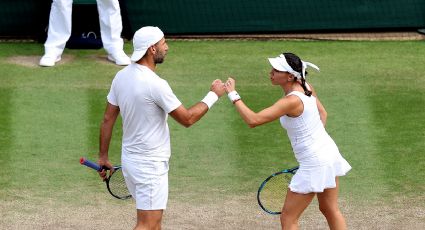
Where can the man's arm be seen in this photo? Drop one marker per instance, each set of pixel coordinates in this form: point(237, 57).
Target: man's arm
point(109, 118)
point(188, 117)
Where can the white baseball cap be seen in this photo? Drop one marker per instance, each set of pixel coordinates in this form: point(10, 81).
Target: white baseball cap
point(144, 38)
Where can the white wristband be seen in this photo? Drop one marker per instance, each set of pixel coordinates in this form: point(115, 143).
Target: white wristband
point(210, 99)
point(234, 96)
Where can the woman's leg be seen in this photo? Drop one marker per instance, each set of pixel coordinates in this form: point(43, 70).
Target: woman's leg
point(293, 207)
point(328, 205)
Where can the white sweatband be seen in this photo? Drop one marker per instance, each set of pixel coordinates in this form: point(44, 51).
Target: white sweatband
point(234, 96)
point(210, 99)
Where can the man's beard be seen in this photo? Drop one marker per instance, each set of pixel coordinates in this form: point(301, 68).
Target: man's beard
point(159, 58)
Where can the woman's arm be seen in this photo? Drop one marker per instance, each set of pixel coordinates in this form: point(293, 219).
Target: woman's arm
point(280, 108)
point(284, 106)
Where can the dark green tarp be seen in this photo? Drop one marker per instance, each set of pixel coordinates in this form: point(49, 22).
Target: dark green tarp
point(30, 17)
point(247, 16)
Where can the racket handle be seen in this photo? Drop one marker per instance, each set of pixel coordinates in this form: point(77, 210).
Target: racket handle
point(90, 164)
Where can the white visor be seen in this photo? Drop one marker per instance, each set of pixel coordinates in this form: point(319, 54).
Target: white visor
point(280, 64)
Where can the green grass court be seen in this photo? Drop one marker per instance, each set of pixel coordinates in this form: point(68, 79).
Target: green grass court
point(373, 93)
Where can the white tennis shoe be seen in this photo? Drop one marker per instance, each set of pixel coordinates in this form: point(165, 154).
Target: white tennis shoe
point(49, 60)
point(120, 58)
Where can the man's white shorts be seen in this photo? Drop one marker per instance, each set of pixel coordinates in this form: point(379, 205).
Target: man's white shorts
point(147, 182)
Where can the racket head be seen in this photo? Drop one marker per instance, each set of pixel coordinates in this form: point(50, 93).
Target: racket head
point(272, 192)
point(116, 185)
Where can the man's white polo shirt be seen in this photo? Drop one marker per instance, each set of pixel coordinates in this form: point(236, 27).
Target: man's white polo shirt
point(144, 100)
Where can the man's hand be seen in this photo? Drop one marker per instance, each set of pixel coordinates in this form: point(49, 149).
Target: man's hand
point(104, 163)
point(217, 87)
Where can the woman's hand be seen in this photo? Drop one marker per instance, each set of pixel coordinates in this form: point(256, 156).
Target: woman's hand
point(230, 85)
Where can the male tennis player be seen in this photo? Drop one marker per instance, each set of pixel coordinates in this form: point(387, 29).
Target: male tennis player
point(144, 101)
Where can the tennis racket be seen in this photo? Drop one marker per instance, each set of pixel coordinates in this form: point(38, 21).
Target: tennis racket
point(272, 191)
point(115, 183)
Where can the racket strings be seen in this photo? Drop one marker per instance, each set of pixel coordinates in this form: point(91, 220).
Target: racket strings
point(117, 186)
point(274, 192)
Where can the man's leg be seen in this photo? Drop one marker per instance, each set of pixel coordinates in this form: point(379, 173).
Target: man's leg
point(147, 182)
point(148, 220)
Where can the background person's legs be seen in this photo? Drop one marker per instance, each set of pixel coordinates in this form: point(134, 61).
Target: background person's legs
point(58, 32)
point(110, 30)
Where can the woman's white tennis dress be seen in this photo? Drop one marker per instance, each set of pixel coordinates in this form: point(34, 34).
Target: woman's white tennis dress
point(317, 154)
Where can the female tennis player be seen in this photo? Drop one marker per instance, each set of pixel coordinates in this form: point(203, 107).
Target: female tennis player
point(304, 118)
